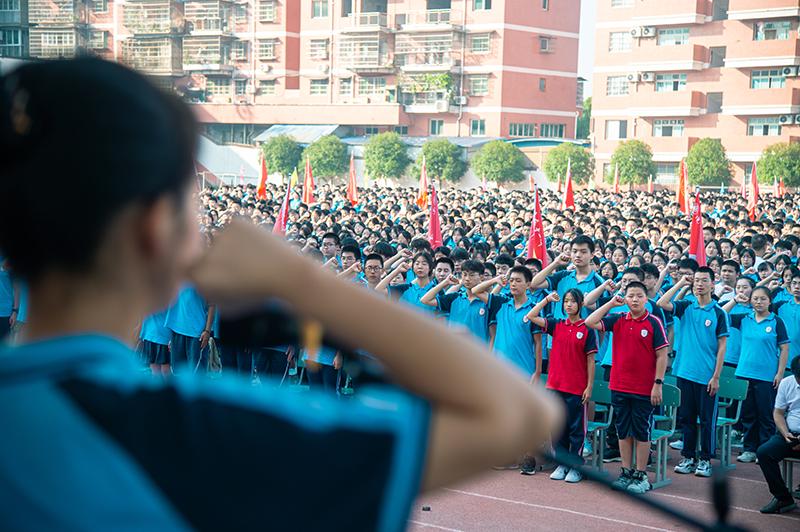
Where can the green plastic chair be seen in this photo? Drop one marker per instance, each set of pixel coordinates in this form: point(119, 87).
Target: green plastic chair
point(732, 391)
point(601, 395)
point(598, 371)
point(670, 401)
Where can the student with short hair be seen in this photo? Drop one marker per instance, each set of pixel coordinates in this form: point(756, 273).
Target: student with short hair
point(571, 371)
point(640, 361)
point(704, 330)
point(789, 312)
point(464, 309)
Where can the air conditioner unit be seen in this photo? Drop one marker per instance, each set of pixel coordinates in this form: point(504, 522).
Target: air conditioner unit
point(797, 119)
point(265, 67)
point(790, 71)
point(633, 77)
point(786, 119)
point(648, 31)
point(636, 32)
point(647, 76)
point(442, 106)
point(461, 100)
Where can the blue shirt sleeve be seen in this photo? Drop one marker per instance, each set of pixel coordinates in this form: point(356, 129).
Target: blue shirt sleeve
point(679, 307)
point(554, 278)
point(722, 322)
point(780, 331)
point(495, 302)
point(397, 291)
point(446, 301)
point(736, 320)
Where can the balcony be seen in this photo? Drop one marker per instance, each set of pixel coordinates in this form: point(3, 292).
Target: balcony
point(432, 20)
point(10, 17)
point(57, 12)
point(153, 56)
point(753, 102)
point(355, 114)
point(661, 13)
point(209, 18)
point(754, 54)
point(670, 58)
point(660, 104)
point(364, 54)
point(426, 103)
point(154, 17)
point(755, 10)
point(428, 62)
point(206, 54)
point(365, 23)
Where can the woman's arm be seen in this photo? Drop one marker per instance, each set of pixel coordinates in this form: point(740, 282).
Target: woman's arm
point(484, 413)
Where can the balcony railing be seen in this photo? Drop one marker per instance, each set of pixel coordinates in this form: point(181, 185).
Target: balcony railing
point(754, 9)
point(369, 19)
point(434, 18)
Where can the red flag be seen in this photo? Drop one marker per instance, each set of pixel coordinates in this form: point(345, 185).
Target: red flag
point(697, 244)
point(616, 178)
point(650, 187)
point(308, 185)
point(752, 197)
point(569, 197)
point(537, 247)
point(422, 195)
point(781, 188)
point(352, 189)
point(283, 215)
point(435, 227)
point(683, 199)
point(261, 192)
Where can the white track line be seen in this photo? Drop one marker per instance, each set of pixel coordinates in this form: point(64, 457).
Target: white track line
point(420, 523)
point(732, 507)
point(748, 480)
point(553, 508)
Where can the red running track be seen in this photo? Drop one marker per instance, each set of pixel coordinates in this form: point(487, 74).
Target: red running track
point(506, 500)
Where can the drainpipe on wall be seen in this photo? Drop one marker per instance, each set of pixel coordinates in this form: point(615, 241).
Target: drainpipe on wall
point(330, 53)
point(253, 46)
point(461, 78)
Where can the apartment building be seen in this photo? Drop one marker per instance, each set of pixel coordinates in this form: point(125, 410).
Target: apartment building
point(670, 73)
point(419, 67)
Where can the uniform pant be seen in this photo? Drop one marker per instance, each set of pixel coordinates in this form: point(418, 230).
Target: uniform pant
point(236, 359)
point(325, 378)
point(770, 455)
point(5, 326)
point(757, 414)
point(574, 431)
point(697, 403)
point(185, 354)
point(270, 363)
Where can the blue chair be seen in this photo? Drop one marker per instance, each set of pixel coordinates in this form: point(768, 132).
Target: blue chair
point(601, 395)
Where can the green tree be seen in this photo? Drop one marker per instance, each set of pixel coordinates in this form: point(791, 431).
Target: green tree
point(780, 160)
point(635, 160)
point(499, 161)
point(442, 160)
point(385, 156)
point(582, 128)
point(281, 153)
point(582, 163)
point(707, 163)
point(328, 156)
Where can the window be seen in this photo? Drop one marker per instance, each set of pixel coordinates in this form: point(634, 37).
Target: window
point(545, 46)
point(371, 130)
point(240, 87)
point(479, 85)
point(218, 86)
point(668, 128)
point(767, 79)
point(401, 130)
point(435, 127)
point(9, 5)
point(267, 87)
point(58, 39)
point(319, 86)
point(717, 56)
point(480, 43)
point(542, 84)
point(616, 129)
point(617, 86)
point(318, 48)
point(371, 86)
point(477, 127)
point(98, 40)
point(481, 5)
point(239, 13)
point(239, 51)
point(545, 4)
point(521, 130)
point(772, 31)
point(266, 11)
point(10, 42)
point(714, 102)
point(319, 8)
point(672, 36)
point(621, 3)
point(553, 131)
point(98, 6)
point(666, 173)
point(346, 87)
point(764, 127)
point(266, 49)
point(670, 82)
point(720, 10)
point(620, 41)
